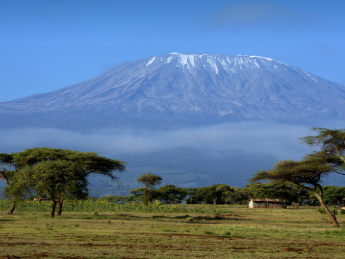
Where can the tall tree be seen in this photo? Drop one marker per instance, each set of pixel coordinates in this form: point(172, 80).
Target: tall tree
point(306, 173)
point(216, 194)
point(150, 181)
point(60, 179)
point(85, 162)
point(171, 194)
point(7, 161)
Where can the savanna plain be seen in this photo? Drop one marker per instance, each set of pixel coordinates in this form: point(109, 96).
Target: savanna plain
point(172, 231)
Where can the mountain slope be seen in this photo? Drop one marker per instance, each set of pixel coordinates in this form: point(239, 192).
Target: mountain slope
point(177, 90)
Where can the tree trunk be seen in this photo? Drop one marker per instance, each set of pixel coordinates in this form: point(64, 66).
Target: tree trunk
point(12, 208)
point(145, 197)
point(59, 208)
point(333, 219)
point(52, 213)
point(334, 211)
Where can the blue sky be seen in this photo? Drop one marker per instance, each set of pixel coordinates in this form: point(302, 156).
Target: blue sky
point(47, 45)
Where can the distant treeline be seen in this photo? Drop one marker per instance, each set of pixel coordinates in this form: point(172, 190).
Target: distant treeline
point(224, 194)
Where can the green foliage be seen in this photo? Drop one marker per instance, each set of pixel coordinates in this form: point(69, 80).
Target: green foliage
point(322, 211)
point(331, 142)
point(150, 181)
point(213, 194)
point(170, 194)
point(60, 173)
point(273, 190)
point(91, 162)
point(60, 179)
point(308, 172)
point(120, 199)
point(305, 173)
point(331, 195)
point(101, 205)
point(6, 161)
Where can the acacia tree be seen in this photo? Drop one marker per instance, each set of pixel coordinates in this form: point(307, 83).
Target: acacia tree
point(306, 173)
point(84, 164)
point(6, 160)
point(150, 181)
point(214, 194)
point(217, 193)
point(60, 179)
point(171, 194)
point(331, 142)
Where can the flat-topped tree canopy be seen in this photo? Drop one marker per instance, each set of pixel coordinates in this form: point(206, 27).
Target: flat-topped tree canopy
point(62, 173)
point(307, 172)
point(91, 161)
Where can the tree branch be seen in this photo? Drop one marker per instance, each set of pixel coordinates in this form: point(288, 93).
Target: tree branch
point(338, 172)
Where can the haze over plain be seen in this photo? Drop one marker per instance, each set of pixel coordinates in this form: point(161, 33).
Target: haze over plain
point(48, 46)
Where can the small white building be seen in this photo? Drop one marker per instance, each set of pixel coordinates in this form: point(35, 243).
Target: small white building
point(266, 203)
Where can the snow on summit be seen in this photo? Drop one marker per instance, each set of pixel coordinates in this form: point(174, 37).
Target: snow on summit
point(212, 61)
point(188, 89)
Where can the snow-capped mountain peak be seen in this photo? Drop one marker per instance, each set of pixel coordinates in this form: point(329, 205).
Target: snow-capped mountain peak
point(192, 88)
point(231, 64)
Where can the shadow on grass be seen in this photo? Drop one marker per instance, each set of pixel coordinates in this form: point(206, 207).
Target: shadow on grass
point(183, 218)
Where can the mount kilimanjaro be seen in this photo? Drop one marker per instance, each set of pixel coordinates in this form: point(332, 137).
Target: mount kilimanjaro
point(178, 90)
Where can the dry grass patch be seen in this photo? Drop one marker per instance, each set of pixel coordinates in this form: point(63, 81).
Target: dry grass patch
point(241, 233)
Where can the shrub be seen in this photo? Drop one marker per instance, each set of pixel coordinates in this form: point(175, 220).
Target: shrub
point(322, 211)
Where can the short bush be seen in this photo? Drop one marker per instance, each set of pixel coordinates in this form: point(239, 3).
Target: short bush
point(322, 211)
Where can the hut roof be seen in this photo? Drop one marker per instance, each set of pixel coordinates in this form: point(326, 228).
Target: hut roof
point(276, 200)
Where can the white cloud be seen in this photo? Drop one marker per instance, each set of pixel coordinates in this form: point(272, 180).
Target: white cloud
point(278, 140)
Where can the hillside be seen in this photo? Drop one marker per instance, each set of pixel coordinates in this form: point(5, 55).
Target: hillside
point(182, 90)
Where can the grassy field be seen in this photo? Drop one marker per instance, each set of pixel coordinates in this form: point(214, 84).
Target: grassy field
point(233, 232)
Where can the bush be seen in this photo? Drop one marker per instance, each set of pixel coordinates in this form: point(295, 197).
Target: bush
point(322, 211)
point(97, 206)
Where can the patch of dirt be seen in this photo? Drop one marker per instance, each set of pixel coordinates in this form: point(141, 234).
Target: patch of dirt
point(188, 235)
point(296, 250)
point(232, 215)
point(16, 244)
point(239, 248)
point(39, 255)
point(35, 255)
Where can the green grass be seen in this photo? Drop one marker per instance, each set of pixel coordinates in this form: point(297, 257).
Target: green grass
point(101, 205)
point(237, 233)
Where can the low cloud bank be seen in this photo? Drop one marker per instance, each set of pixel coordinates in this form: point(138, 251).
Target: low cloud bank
point(278, 140)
